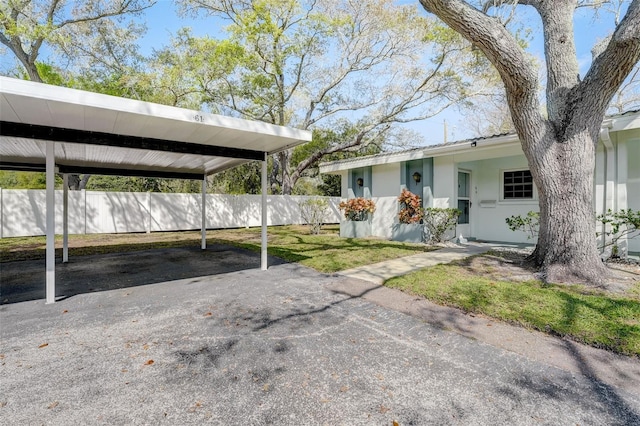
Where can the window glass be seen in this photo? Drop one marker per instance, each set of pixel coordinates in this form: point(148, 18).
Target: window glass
point(463, 184)
point(463, 206)
point(517, 184)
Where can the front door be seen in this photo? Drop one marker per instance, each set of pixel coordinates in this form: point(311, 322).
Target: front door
point(464, 204)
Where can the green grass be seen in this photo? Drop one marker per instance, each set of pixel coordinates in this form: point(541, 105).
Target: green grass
point(595, 318)
point(326, 252)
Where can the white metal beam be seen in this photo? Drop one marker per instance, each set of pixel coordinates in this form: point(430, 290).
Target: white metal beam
point(51, 224)
point(203, 244)
point(65, 218)
point(263, 244)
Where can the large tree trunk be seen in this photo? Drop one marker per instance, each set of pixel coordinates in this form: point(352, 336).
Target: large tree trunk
point(287, 181)
point(564, 172)
point(76, 183)
point(560, 147)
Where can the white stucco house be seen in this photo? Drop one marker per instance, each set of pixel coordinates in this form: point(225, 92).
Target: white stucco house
point(488, 179)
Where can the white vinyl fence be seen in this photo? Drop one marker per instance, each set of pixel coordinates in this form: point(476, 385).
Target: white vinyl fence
point(22, 212)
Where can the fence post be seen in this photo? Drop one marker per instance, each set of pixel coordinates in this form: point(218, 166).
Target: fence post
point(84, 211)
point(1, 214)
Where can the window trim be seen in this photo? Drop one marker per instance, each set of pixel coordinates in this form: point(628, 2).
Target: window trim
point(534, 193)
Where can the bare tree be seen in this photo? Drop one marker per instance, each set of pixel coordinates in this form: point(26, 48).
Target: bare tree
point(26, 26)
point(560, 147)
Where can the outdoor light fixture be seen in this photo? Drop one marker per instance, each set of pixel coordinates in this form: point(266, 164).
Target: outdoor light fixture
point(417, 176)
point(360, 182)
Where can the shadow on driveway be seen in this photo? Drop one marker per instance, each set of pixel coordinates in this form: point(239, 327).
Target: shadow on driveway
point(25, 280)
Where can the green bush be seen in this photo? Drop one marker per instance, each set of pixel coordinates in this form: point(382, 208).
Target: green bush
point(313, 211)
point(438, 221)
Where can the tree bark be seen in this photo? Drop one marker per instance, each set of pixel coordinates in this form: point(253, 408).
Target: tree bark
point(566, 248)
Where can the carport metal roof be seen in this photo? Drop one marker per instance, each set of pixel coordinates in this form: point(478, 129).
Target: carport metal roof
point(110, 135)
point(45, 127)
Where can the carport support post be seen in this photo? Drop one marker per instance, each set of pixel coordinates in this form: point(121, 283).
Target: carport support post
point(203, 245)
point(51, 223)
point(263, 244)
point(65, 218)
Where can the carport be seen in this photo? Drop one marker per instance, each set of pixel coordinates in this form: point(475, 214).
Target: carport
point(60, 130)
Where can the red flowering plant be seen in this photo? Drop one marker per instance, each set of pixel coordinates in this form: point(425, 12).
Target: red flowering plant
point(356, 209)
point(411, 210)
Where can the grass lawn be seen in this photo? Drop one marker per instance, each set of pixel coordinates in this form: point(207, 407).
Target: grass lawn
point(326, 252)
point(596, 318)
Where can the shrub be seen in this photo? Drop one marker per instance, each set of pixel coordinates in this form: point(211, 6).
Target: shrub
point(438, 221)
point(528, 223)
point(313, 212)
point(411, 210)
point(356, 209)
point(622, 223)
point(627, 219)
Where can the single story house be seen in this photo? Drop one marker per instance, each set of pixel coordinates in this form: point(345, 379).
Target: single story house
point(488, 179)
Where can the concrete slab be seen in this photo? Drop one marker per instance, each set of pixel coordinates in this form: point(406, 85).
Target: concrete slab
point(248, 347)
point(378, 273)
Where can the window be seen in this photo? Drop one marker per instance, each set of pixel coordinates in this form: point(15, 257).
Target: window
point(464, 202)
point(518, 184)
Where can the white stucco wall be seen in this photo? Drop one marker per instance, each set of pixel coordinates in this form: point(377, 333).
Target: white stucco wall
point(386, 180)
point(444, 181)
point(385, 190)
point(488, 209)
point(633, 184)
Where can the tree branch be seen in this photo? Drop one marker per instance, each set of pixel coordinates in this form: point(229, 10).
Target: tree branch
point(610, 68)
point(502, 50)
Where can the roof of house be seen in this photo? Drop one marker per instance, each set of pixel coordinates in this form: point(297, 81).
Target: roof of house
point(625, 121)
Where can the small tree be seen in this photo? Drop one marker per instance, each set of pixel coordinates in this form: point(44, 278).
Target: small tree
point(438, 221)
point(313, 211)
point(411, 210)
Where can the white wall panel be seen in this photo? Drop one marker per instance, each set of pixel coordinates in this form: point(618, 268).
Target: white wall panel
point(116, 212)
point(385, 215)
point(386, 180)
point(633, 186)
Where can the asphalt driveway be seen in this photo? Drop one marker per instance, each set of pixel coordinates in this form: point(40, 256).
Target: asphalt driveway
point(277, 347)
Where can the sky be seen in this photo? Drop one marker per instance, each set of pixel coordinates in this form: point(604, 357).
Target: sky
point(162, 22)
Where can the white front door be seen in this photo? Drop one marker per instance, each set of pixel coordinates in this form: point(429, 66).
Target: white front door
point(464, 204)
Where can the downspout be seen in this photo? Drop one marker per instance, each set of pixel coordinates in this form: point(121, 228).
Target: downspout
point(608, 192)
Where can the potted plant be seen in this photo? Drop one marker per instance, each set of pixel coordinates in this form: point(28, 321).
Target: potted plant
point(357, 213)
point(409, 227)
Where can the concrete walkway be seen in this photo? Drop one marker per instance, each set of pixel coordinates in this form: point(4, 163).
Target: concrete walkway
point(378, 273)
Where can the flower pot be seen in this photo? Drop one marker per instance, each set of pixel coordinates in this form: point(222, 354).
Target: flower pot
point(355, 228)
point(408, 232)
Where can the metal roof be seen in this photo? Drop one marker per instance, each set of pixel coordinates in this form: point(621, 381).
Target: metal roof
point(105, 134)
